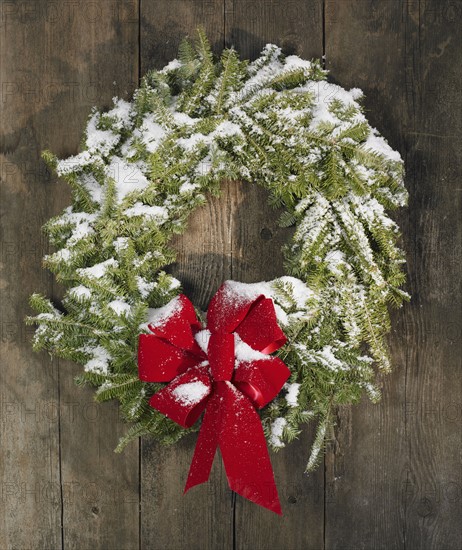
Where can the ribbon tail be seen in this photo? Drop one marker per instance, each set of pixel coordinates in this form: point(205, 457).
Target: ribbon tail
point(244, 451)
point(206, 446)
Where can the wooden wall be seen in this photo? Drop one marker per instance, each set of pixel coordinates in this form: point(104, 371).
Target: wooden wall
point(392, 477)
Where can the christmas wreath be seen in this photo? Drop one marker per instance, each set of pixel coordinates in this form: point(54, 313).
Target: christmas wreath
point(147, 164)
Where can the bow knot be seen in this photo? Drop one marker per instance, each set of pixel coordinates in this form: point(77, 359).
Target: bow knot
point(220, 353)
point(226, 371)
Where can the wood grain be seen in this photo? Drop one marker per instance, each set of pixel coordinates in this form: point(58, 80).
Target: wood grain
point(394, 471)
point(165, 23)
point(297, 27)
point(50, 89)
point(100, 488)
point(204, 517)
point(365, 459)
point(29, 403)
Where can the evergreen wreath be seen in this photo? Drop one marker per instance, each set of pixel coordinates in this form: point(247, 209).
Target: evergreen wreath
point(147, 164)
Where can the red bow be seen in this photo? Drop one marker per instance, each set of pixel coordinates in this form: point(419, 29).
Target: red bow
point(228, 375)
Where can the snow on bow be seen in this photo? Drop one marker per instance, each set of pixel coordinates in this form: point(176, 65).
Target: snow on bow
point(225, 370)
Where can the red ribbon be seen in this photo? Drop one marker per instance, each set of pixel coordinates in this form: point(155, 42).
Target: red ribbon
point(213, 379)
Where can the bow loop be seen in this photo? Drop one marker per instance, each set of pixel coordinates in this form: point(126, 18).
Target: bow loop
point(177, 323)
point(250, 315)
point(228, 308)
point(261, 380)
point(160, 361)
point(185, 398)
point(170, 349)
point(259, 328)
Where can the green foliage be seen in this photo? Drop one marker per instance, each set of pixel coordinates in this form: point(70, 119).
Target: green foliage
point(190, 101)
point(147, 164)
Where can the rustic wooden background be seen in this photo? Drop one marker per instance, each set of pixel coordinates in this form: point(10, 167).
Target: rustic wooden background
point(392, 477)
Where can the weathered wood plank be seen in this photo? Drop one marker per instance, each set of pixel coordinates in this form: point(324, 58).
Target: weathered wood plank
point(29, 458)
point(294, 25)
point(57, 62)
point(433, 63)
point(297, 27)
point(29, 406)
point(203, 518)
point(257, 256)
point(165, 23)
point(394, 474)
point(98, 49)
point(365, 460)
